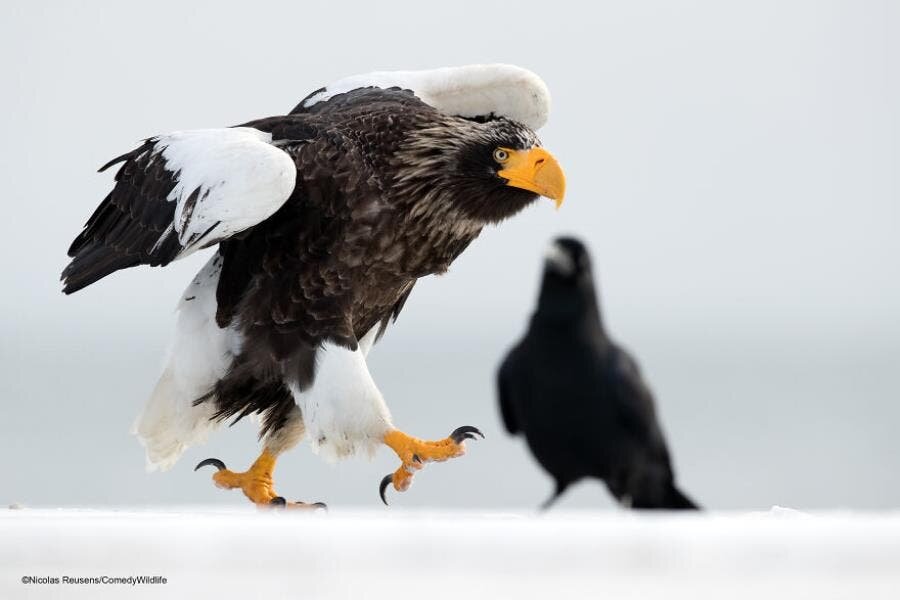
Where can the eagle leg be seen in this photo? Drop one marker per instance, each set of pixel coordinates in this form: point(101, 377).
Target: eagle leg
point(414, 453)
point(256, 482)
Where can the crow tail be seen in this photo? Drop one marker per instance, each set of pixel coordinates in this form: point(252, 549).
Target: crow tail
point(676, 500)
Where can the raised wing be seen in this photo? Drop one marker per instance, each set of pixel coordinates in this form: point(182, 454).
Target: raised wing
point(177, 193)
point(472, 91)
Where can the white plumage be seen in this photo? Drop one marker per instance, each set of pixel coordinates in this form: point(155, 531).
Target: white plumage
point(344, 411)
point(468, 91)
point(199, 355)
point(238, 177)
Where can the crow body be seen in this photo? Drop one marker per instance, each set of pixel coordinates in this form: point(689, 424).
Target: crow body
point(579, 399)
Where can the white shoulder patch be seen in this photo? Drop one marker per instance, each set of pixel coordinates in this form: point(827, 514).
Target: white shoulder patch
point(468, 91)
point(227, 180)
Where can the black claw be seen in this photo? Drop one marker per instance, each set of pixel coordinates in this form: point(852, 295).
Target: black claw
point(321, 505)
point(389, 478)
point(465, 433)
point(416, 458)
point(211, 461)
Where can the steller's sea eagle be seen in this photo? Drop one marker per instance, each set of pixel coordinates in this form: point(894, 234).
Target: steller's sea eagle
point(324, 220)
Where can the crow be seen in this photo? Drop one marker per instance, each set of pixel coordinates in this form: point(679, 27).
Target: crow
point(579, 398)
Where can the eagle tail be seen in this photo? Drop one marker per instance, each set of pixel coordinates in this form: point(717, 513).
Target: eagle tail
point(168, 425)
point(200, 355)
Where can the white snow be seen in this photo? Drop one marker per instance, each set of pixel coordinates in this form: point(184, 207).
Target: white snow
point(387, 553)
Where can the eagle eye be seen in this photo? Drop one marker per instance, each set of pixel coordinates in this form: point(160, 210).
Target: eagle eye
point(501, 155)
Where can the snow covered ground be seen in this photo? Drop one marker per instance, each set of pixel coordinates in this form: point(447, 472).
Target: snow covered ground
point(390, 554)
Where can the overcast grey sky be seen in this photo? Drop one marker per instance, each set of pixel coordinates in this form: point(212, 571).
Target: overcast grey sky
point(732, 165)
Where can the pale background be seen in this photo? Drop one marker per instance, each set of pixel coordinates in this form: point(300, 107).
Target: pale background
point(733, 167)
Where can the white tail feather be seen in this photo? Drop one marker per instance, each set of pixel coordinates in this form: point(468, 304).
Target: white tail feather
point(199, 356)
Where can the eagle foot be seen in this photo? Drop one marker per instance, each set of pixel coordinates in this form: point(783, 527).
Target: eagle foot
point(256, 482)
point(415, 453)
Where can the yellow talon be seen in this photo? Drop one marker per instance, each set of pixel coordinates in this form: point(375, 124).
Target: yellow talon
point(256, 482)
point(409, 448)
point(414, 453)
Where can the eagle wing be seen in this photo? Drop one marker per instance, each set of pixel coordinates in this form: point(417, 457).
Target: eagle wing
point(472, 91)
point(177, 193)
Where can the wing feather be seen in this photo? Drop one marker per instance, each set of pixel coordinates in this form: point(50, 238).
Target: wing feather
point(471, 91)
point(177, 193)
point(634, 402)
point(506, 374)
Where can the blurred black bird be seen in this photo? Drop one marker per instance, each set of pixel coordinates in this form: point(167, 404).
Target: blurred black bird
point(579, 398)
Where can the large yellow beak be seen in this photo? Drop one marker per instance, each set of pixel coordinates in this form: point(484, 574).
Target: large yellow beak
point(535, 170)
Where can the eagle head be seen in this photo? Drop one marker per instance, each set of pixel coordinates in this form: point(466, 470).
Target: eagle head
point(483, 172)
